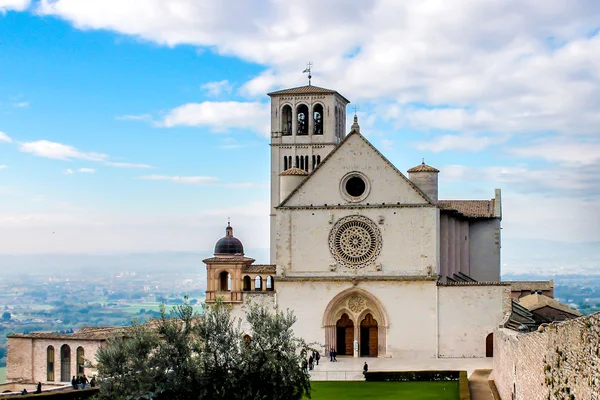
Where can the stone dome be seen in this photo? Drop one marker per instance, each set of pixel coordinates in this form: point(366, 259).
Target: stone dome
point(229, 245)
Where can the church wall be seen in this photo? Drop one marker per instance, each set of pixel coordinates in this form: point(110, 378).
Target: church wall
point(40, 346)
point(467, 315)
point(238, 311)
point(409, 237)
point(410, 307)
point(484, 250)
point(561, 362)
point(19, 359)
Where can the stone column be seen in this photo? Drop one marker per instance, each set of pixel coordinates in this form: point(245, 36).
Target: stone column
point(329, 338)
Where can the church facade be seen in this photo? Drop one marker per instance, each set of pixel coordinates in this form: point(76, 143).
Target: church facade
point(370, 260)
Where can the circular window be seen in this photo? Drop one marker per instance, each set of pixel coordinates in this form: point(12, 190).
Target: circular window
point(355, 241)
point(354, 187)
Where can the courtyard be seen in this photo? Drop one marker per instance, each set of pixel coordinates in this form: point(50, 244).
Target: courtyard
point(447, 390)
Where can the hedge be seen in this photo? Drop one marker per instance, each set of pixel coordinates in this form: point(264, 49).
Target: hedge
point(407, 376)
point(59, 395)
point(463, 386)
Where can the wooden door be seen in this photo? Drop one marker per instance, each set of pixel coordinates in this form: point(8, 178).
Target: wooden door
point(489, 345)
point(349, 340)
point(373, 341)
point(369, 326)
point(345, 335)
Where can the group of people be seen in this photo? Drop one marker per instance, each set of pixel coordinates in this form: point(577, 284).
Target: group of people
point(332, 354)
point(80, 382)
point(309, 365)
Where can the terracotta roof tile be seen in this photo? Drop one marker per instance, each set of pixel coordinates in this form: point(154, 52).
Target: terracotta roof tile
point(260, 269)
point(308, 89)
point(85, 333)
point(293, 171)
point(536, 301)
point(423, 168)
point(469, 208)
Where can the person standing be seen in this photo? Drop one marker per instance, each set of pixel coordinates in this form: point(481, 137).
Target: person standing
point(311, 360)
point(39, 388)
point(93, 381)
point(317, 357)
point(331, 355)
point(334, 356)
point(84, 381)
point(365, 368)
point(74, 382)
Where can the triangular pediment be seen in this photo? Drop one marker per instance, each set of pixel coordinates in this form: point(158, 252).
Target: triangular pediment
point(355, 156)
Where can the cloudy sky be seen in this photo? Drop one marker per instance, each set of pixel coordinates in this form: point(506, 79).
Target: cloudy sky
point(134, 126)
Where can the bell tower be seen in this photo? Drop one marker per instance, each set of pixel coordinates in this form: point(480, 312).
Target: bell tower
point(307, 123)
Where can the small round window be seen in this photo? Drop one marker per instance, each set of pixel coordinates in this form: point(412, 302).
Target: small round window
point(354, 187)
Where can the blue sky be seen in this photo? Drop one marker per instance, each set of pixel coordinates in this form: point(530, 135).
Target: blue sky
point(131, 127)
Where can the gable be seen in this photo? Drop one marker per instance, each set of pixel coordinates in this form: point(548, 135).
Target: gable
point(355, 157)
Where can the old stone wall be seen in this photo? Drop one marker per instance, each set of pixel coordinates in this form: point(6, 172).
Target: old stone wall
point(19, 359)
point(484, 250)
point(561, 362)
point(467, 315)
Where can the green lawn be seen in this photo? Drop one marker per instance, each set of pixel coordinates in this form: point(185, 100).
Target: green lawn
point(2, 374)
point(447, 390)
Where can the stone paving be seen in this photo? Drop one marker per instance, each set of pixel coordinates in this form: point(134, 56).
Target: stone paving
point(479, 385)
point(350, 368)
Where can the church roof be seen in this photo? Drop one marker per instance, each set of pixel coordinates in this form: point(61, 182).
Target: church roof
point(423, 168)
point(469, 208)
point(308, 89)
point(85, 333)
point(293, 171)
point(336, 149)
point(260, 269)
point(537, 301)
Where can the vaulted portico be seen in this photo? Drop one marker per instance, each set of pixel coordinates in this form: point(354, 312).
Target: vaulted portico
point(356, 318)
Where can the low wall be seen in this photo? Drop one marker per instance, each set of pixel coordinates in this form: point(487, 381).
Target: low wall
point(560, 362)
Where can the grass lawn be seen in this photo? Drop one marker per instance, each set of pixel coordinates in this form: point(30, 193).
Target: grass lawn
point(446, 390)
point(2, 374)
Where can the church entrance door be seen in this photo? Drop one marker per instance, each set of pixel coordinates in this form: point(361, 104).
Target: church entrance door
point(344, 336)
point(489, 345)
point(369, 337)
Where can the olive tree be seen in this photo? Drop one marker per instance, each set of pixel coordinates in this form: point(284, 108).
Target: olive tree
point(183, 355)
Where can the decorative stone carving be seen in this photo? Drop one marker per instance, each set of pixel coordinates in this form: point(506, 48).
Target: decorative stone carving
point(356, 303)
point(355, 241)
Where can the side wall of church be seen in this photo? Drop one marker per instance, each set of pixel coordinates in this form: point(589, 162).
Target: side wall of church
point(19, 359)
point(238, 311)
point(40, 347)
point(409, 239)
point(410, 307)
point(562, 362)
point(455, 243)
point(485, 250)
point(467, 315)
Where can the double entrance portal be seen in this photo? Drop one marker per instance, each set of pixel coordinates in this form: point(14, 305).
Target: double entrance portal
point(368, 336)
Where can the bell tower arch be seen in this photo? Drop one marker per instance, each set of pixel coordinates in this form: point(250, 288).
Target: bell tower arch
point(307, 123)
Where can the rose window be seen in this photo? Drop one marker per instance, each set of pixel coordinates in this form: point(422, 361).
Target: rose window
point(355, 241)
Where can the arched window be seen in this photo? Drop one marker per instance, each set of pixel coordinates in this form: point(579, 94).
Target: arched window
point(285, 164)
point(80, 361)
point(297, 162)
point(286, 120)
point(50, 364)
point(247, 340)
point(306, 163)
point(269, 283)
point(289, 161)
point(301, 162)
point(336, 122)
point(65, 363)
point(314, 161)
point(258, 283)
point(247, 283)
point(318, 119)
point(318, 160)
point(302, 112)
point(224, 281)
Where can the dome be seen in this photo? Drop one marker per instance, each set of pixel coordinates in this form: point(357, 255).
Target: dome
point(229, 245)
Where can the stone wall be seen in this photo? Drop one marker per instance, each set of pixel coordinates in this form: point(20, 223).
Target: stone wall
point(19, 359)
point(561, 362)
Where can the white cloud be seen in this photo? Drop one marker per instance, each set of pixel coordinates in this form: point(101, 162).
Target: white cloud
point(16, 5)
point(68, 171)
point(5, 138)
point(59, 151)
point(86, 170)
point(217, 88)
point(141, 117)
point(574, 151)
point(22, 104)
point(193, 180)
point(221, 116)
point(3, 166)
point(467, 142)
point(128, 165)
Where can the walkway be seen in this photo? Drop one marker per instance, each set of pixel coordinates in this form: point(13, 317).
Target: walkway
point(479, 386)
point(350, 368)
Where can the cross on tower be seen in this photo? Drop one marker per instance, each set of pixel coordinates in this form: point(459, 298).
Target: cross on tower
point(356, 108)
point(307, 70)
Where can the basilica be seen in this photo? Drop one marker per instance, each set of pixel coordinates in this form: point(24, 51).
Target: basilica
point(370, 260)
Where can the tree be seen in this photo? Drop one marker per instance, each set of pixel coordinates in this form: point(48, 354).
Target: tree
point(183, 356)
point(6, 316)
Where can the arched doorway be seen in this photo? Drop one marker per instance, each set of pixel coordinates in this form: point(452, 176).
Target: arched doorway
point(65, 363)
point(344, 336)
point(369, 337)
point(489, 345)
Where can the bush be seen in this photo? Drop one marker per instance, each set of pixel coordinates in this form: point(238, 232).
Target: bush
point(408, 376)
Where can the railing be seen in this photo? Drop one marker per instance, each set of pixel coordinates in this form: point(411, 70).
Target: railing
point(336, 375)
